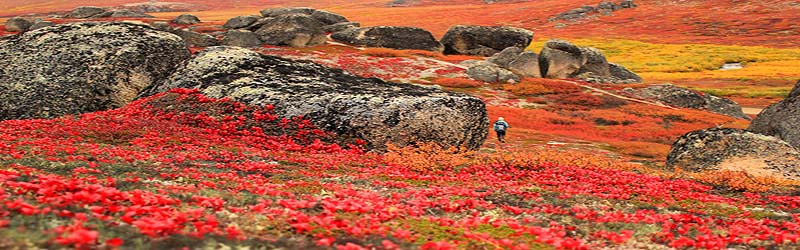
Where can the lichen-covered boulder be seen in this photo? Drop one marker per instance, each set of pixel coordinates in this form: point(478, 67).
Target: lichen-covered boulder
point(560, 59)
point(295, 30)
point(484, 40)
point(85, 12)
point(596, 63)
point(735, 150)
point(82, 67)
point(394, 37)
point(685, 98)
point(781, 119)
point(353, 107)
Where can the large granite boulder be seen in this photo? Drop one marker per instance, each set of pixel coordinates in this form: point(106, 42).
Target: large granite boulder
point(735, 150)
point(526, 65)
point(484, 40)
point(18, 24)
point(322, 16)
point(685, 98)
point(781, 119)
point(295, 30)
point(334, 100)
point(389, 37)
point(82, 67)
point(561, 59)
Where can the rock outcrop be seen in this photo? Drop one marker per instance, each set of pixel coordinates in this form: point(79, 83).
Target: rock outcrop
point(18, 24)
point(484, 40)
point(186, 19)
point(84, 12)
point(586, 11)
point(735, 150)
point(389, 37)
point(371, 109)
point(685, 98)
point(82, 67)
point(781, 119)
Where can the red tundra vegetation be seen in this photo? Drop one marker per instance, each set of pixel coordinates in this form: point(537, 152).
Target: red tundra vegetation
point(182, 170)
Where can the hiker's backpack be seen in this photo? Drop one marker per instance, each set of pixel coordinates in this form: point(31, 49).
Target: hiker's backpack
point(499, 127)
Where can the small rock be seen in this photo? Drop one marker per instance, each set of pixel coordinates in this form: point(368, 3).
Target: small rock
point(18, 24)
point(240, 22)
point(186, 19)
point(41, 24)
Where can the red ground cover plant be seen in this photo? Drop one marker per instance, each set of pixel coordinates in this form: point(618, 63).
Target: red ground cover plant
point(152, 175)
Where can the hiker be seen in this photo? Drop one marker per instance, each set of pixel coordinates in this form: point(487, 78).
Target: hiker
point(500, 127)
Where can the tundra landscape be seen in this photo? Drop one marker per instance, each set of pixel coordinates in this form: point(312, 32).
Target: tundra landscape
point(373, 124)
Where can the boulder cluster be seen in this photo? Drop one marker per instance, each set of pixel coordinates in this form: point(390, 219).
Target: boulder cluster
point(75, 68)
point(296, 27)
point(587, 11)
point(769, 147)
point(558, 59)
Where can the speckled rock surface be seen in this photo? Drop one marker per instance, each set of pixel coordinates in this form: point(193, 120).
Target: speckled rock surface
point(484, 40)
point(353, 107)
point(295, 30)
point(394, 37)
point(82, 67)
point(685, 98)
point(560, 59)
point(781, 119)
point(737, 150)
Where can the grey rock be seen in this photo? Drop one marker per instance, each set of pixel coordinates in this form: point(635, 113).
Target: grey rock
point(736, 150)
point(685, 98)
point(489, 72)
point(353, 107)
point(82, 67)
point(162, 26)
point(241, 38)
point(18, 24)
point(295, 30)
point(186, 19)
point(609, 6)
point(196, 39)
point(394, 37)
point(484, 40)
point(781, 119)
point(596, 63)
point(85, 12)
point(526, 65)
point(124, 13)
point(560, 59)
point(626, 4)
point(41, 24)
point(503, 58)
point(240, 22)
point(286, 11)
point(333, 28)
point(328, 18)
point(622, 74)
